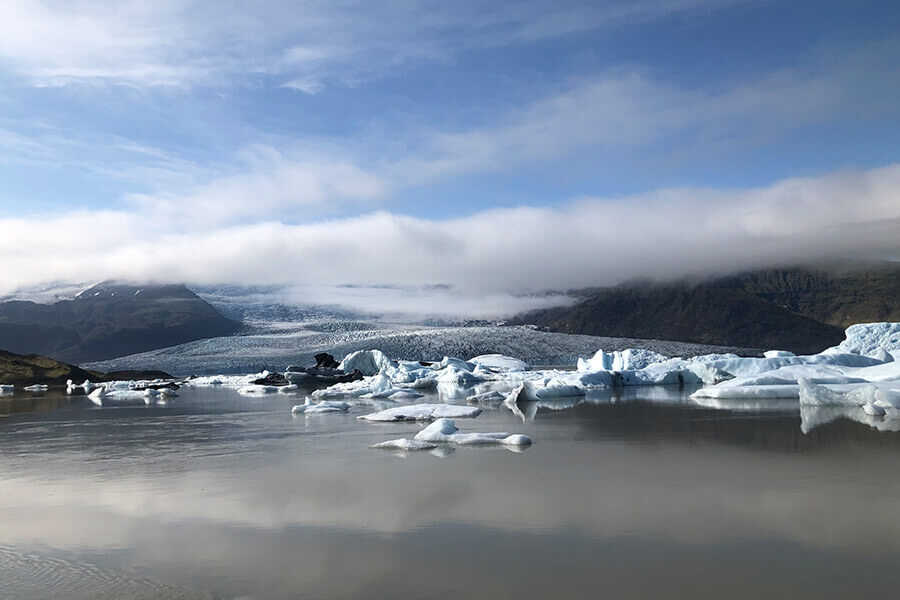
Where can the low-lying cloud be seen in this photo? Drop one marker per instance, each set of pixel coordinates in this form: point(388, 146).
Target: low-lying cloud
point(591, 241)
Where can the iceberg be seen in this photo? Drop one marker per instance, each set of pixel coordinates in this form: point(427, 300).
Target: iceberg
point(367, 362)
point(624, 360)
point(423, 412)
point(258, 390)
point(38, 387)
point(7, 388)
point(445, 431)
point(813, 394)
point(310, 407)
point(404, 445)
point(870, 339)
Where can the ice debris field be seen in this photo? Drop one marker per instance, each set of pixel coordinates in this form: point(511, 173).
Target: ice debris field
point(858, 379)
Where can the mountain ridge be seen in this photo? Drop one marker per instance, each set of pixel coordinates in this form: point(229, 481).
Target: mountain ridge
point(797, 308)
point(109, 320)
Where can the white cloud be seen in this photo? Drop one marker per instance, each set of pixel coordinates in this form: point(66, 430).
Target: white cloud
point(665, 234)
point(189, 42)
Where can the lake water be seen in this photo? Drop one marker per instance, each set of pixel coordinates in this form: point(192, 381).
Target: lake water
point(222, 496)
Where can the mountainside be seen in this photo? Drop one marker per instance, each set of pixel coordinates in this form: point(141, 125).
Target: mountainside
point(794, 309)
point(110, 320)
point(26, 370)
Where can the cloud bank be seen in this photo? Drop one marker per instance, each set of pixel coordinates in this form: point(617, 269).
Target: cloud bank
point(589, 241)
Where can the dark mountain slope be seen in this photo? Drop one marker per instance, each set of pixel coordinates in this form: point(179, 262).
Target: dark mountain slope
point(803, 310)
point(705, 314)
point(26, 370)
point(110, 320)
point(839, 297)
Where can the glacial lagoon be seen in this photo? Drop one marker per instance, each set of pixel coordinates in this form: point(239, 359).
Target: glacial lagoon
point(629, 494)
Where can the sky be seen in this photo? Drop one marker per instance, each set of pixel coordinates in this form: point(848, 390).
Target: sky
point(490, 147)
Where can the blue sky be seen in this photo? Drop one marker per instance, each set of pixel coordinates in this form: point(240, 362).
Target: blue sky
point(201, 123)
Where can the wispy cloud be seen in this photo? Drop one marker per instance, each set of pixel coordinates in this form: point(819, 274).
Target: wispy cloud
point(664, 234)
point(187, 43)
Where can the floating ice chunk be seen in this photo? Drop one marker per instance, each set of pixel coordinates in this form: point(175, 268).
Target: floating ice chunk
point(7, 388)
point(630, 359)
point(258, 390)
point(405, 445)
point(817, 416)
point(451, 361)
point(490, 398)
point(423, 412)
point(748, 392)
point(395, 394)
point(367, 362)
point(225, 380)
point(445, 431)
point(458, 376)
point(310, 407)
point(745, 367)
point(873, 410)
point(499, 362)
point(869, 338)
point(38, 387)
point(777, 354)
point(819, 395)
point(287, 389)
point(888, 398)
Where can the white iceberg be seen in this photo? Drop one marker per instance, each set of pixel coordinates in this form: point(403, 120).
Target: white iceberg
point(7, 388)
point(630, 359)
point(777, 354)
point(367, 362)
point(38, 387)
point(445, 431)
point(870, 339)
point(310, 407)
point(423, 412)
point(405, 445)
point(813, 394)
point(258, 390)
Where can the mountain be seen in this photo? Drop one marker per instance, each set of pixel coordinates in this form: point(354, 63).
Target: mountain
point(110, 320)
point(26, 370)
point(798, 309)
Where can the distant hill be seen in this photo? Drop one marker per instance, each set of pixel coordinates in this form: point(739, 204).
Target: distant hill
point(110, 320)
point(803, 310)
point(28, 369)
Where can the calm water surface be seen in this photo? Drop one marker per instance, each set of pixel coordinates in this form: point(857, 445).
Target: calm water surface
point(222, 496)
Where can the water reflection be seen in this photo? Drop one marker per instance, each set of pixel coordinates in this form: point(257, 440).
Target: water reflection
point(229, 496)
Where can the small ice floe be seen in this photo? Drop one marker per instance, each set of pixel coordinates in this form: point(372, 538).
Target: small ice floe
point(38, 387)
point(376, 387)
point(445, 431)
point(874, 410)
point(7, 389)
point(813, 394)
point(813, 416)
point(288, 389)
point(258, 390)
point(423, 412)
point(491, 398)
point(405, 445)
point(327, 406)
